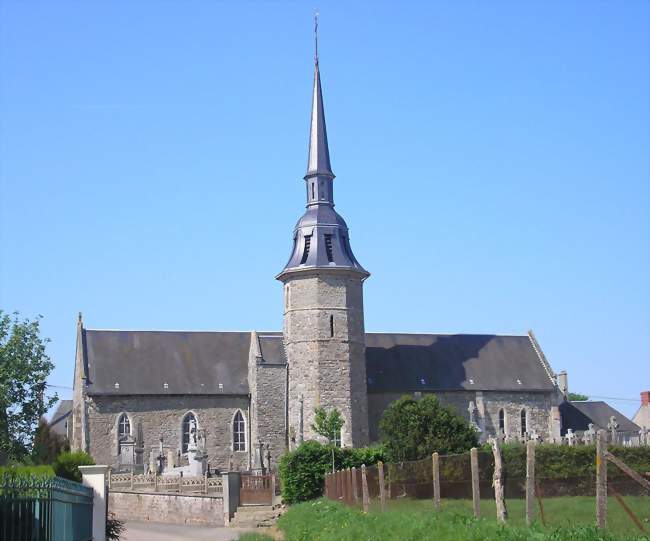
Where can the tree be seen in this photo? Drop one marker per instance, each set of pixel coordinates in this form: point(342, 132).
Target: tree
point(47, 444)
point(329, 427)
point(413, 429)
point(24, 368)
point(577, 396)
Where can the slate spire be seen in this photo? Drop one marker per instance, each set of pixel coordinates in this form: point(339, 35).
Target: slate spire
point(318, 163)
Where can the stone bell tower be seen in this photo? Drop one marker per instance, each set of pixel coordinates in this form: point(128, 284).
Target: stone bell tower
point(324, 333)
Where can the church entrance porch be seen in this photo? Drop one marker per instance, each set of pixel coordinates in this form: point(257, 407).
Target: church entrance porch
point(256, 489)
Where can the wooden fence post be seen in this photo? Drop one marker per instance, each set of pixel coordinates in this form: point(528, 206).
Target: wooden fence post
point(601, 479)
point(350, 487)
point(364, 489)
point(530, 482)
point(497, 481)
point(436, 480)
point(382, 488)
point(355, 491)
point(476, 494)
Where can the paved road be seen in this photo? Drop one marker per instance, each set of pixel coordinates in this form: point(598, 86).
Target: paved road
point(155, 531)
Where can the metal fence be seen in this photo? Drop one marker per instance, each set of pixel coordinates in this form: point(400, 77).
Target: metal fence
point(44, 509)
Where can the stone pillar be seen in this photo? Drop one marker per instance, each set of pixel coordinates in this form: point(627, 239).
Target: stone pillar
point(230, 486)
point(95, 478)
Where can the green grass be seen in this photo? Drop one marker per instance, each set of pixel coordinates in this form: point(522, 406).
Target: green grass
point(566, 511)
point(323, 520)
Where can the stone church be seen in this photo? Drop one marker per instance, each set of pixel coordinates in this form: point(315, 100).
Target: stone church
point(149, 390)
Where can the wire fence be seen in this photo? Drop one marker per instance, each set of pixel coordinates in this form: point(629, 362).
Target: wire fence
point(472, 484)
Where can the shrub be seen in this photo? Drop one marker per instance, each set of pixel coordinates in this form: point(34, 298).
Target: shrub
point(413, 429)
point(67, 465)
point(26, 471)
point(302, 472)
point(47, 444)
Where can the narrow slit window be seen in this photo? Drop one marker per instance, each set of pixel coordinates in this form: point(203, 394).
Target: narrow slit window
point(328, 248)
point(331, 326)
point(305, 253)
point(502, 421)
point(524, 422)
point(312, 190)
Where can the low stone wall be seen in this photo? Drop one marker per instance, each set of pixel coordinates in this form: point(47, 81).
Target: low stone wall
point(170, 508)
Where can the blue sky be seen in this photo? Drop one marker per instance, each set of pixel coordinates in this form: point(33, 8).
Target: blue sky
point(491, 160)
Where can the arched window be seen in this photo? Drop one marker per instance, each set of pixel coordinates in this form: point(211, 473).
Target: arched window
point(238, 432)
point(188, 421)
point(337, 439)
point(524, 422)
point(123, 427)
point(502, 421)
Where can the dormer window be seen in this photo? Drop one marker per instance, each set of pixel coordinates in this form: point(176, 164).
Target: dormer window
point(305, 252)
point(328, 247)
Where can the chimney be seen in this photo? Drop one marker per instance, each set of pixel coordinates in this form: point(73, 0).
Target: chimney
point(645, 398)
point(563, 382)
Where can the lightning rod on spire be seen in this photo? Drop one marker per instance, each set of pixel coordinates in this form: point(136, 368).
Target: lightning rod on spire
point(316, 35)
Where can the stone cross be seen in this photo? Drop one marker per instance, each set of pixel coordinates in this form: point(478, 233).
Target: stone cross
point(643, 436)
point(570, 437)
point(589, 435)
point(612, 426)
point(472, 413)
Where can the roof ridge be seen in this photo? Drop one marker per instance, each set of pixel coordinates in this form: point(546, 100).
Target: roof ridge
point(542, 358)
point(448, 333)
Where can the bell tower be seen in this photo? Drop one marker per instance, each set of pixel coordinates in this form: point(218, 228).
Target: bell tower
point(324, 334)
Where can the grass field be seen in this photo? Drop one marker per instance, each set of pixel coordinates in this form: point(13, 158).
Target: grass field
point(569, 519)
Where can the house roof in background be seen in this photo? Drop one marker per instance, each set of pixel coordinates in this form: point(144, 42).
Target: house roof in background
point(62, 412)
point(577, 415)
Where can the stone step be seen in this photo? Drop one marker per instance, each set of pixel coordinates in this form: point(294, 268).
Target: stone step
point(255, 516)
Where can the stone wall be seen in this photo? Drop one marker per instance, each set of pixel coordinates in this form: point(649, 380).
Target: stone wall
point(163, 415)
point(169, 508)
point(537, 405)
point(325, 345)
point(270, 404)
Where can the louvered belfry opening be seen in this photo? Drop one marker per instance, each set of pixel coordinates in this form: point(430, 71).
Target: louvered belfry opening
point(305, 253)
point(328, 247)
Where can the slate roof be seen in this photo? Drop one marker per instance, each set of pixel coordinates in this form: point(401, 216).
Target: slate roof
point(141, 362)
point(578, 415)
point(450, 362)
point(189, 362)
point(62, 412)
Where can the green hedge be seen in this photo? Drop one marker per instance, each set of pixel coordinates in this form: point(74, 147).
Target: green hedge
point(67, 465)
point(302, 472)
point(27, 471)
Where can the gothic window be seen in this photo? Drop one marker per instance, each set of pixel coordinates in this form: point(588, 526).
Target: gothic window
point(502, 421)
point(337, 439)
point(524, 422)
point(123, 427)
point(238, 432)
point(186, 428)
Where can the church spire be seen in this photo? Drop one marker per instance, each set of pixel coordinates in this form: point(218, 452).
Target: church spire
point(321, 238)
point(318, 163)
